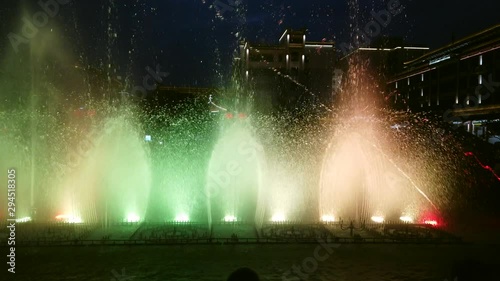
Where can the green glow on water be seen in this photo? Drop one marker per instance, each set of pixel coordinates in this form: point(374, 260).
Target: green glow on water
point(233, 177)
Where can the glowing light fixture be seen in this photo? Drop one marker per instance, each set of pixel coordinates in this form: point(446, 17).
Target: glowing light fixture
point(284, 33)
point(318, 46)
point(434, 61)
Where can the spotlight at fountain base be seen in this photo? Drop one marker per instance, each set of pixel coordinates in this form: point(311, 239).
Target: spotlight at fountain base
point(230, 218)
point(328, 218)
point(378, 219)
point(406, 219)
point(69, 219)
point(25, 219)
point(132, 218)
point(278, 218)
point(182, 218)
point(431, 222)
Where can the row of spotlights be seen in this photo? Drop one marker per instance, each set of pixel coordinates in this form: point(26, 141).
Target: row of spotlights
point(380, 219)
point(69, 219)
point(26, 219)
point(228, 218)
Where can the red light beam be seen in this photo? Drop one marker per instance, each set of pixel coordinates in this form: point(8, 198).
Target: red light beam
point(486, 167)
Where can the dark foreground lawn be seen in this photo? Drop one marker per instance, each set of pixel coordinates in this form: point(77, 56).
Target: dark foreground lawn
point(215, 262)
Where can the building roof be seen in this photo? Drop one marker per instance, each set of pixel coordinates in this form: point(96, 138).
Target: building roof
point(468, 44)
point(384, 49)
point(280, 46)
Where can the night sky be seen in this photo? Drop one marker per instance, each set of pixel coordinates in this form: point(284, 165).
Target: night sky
point(187, 38)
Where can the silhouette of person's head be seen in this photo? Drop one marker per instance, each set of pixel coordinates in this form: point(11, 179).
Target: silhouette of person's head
point(243, 274)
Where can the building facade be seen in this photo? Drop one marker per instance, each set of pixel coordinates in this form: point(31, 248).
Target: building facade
point(288, 74)
point(458, 81)
point(373, 66)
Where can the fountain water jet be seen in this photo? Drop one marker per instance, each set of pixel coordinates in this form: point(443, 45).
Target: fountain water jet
point(359, 181)
point(235, 176)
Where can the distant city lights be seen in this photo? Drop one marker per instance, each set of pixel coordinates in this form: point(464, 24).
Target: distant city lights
point(378, 219)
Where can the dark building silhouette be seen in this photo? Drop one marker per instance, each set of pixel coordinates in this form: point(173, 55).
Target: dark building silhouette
point(461, 81)
point(373, 66)
point(288, 74)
